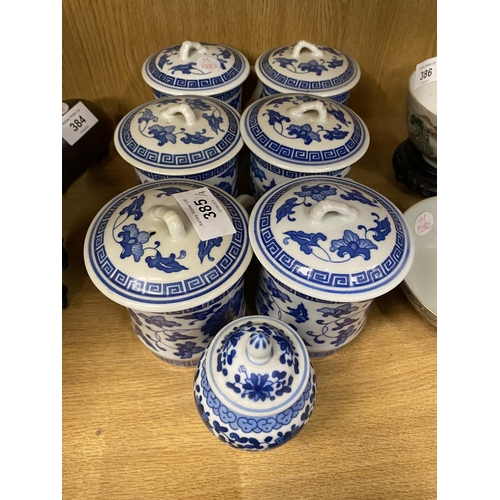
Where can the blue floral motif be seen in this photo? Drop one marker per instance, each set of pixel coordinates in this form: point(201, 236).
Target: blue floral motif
point(305, 240)
point(196, 138)
point(338, 311)
point(355, 195)
point(352, 245)
point(169, 191)
point(285, 61)
point(225, 186)
point(335, 63)
point(287, 209)
point(165, 57)
point(205, 247)
point(134, 209)
point(186, 351)
point(214, 121)
point(382, 228)
point(339, 115)
point(304, 132)
point(317, 192)
point(312, 66)
point(186, 69)
point(344, 335)
point(198, 103)
point(275, 292)
point(275, 117)
point(299, 313)
point(147, 116)
point(335, 133)
point(159, 321)
point(163, 134)
point(166, 264)
point(133, 241)
point(259, 340)
point(279, 100)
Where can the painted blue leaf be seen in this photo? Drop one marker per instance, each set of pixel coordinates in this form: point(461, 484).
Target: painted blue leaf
point(205, 247)
point(165, 264)
point(306, 240)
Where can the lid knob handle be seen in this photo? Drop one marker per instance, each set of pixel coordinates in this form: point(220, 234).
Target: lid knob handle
point(307, 45)
point(184, 109)
point(318, 211)
point(259, 348)
point(298, 111)
point(172, 220)
point(186, 49)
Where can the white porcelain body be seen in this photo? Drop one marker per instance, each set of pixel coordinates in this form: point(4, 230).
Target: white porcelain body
point(342, 98)
point(264, 175)
point(180, 337)
point(420, 285)
point(231, 97)
point(325, 327)
point(255, 429)
point(421, 118)
point(224, 176)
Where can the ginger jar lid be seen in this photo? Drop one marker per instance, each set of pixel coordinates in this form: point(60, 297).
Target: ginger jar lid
point(257, 366)
point(300, 132)
point(179, 135)
point(309, 68)
point(196, 68)
point(331, 239)
point(142, 251)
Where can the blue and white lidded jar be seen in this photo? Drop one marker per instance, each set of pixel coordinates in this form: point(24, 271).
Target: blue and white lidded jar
point(142, 252)
point(254, 386)
point(308, 68)
point(327, 248)
point(186, 137)
point(297, 135)
point(202, 69)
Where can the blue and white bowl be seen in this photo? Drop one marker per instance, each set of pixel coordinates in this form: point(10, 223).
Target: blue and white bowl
point(201, 69)
point(327, 248)
point(254, 386)
point(309, 69)
point(189, 137)
point(297, 135)
point(142, 252)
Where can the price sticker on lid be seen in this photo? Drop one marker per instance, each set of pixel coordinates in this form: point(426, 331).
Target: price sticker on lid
point(426, 72)
point(206, 214)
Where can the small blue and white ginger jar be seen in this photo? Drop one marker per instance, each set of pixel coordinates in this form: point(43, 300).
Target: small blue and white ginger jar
point(187, 137)
point(254, 386)
point(327, 247)
point(298, 135)
point(308, 68)
point(201, 69)
point(142, 252)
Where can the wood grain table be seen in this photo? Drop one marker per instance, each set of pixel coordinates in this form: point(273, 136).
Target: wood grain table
point(130, 426)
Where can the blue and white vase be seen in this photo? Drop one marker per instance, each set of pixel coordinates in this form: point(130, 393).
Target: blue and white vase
point(143, 252)
point(309, 69)
point(327, 248)
point(298, 135)
point(201, 69)
point(254, 386)
point(187, 137)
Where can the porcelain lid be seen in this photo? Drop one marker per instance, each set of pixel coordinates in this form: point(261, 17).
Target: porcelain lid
point(196, 68)
point(142, 251)
point(179, 135)
point(300, 131)
point(331, 238)
point(306, 67)
point(257, 366)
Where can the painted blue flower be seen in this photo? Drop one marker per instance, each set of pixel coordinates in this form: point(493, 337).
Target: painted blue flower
point(287, 209)
point(299, 313)
point(335, 134)
point(335, 63)
point(205, 247)
point(275, 117)
point(382, 229)
point(259, 340)
point(317, 193)
point(339, 115)
point(279, 100)
point(224, 53)
point(132, 241)
point(275, 292)
point(147, 116)
point(200, 315)
point(185, 69)
point(163, 134)
point(159, 321)
point(313, 66)
point(352, 245)
point(303, 132)
point(196, 138)
point(166, 264)
point(344, 335)
point(257, 387)
point(186, 351)
point(224, 315)
point(338, 311)
point(198, 103)
point(134, 209)
point(145, 338)
point(169, 191)
point(213, 121)
point(355, 195)
point(285, 61)
point(305, 240)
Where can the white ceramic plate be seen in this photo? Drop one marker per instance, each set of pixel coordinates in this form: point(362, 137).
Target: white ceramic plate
point(420, 284)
